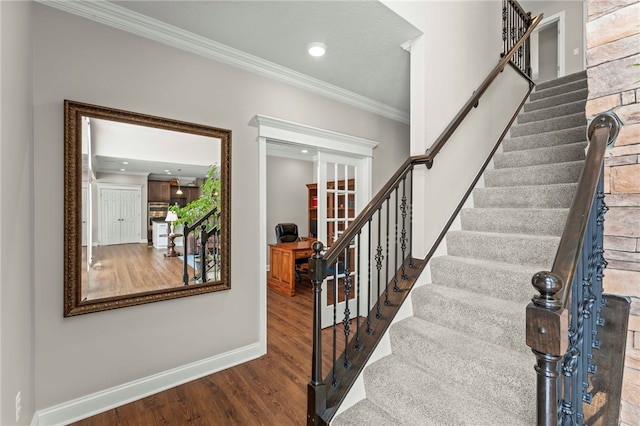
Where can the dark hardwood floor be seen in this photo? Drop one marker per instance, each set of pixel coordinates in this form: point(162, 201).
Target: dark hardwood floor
point(270, 390)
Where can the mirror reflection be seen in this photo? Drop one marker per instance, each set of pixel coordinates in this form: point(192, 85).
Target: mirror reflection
point(148, 207)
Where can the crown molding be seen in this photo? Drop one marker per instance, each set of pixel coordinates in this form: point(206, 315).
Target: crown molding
point(119, 17)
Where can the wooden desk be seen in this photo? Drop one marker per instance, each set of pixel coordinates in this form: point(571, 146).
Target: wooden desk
point(282, 261)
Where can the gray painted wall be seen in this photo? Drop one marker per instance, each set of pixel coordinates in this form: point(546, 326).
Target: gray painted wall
point(287, 193)
point(574, 28)
point(84, 61)
point(16, 213)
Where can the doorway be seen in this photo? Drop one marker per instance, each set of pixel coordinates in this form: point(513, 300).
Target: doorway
point(274, 132)
point(548, 48)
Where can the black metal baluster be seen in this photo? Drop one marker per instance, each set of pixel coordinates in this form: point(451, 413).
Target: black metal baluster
point(386, 259)
point(379, 259)
point(504, 27)
point(334, 378)
point(358, 282)
point(369, 283)
point(347, 314)
point(410, 238)
point(403, 233)
point(395, 244)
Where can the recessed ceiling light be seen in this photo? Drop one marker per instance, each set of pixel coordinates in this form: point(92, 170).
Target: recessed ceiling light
point(317, 49)
point(125, 162)
point(304, 151)
point(122, 170)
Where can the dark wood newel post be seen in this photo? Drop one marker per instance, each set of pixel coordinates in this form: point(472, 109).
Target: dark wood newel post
point(316, 390)
point(547, 338)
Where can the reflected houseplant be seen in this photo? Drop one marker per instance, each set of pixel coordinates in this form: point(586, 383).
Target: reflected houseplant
point(209, 198)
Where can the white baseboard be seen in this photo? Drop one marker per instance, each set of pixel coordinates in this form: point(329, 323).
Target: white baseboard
point(99, 402)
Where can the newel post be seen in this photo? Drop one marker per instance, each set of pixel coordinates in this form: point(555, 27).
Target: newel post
point(316, 389)
point(547, 338)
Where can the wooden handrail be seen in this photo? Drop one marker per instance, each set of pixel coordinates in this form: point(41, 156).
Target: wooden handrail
point(367, 213)
point(603, 131)
point(460, 116)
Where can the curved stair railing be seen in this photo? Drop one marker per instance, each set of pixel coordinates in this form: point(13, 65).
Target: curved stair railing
point(564, 318)
point(377, 246)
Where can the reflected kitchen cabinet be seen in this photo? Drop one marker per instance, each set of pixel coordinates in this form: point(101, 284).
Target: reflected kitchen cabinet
point(159, 191)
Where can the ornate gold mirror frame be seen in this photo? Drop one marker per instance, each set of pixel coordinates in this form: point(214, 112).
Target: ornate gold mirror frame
point(76, 265)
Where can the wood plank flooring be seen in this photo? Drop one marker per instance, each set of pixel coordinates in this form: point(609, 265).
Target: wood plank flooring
point(270, 390)
point(128, 269)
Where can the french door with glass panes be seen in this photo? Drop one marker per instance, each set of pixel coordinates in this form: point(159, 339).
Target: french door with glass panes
point(343, 190)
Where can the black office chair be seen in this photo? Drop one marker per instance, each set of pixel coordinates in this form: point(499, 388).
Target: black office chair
point(288, 233)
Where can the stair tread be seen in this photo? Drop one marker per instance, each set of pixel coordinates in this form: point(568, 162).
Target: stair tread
point(560, 110)
point(493, 264)
point(437, 342)
point(545, 139)
point(538, 174)
point(558, 154)
point(365, 412)
point(437, 403)
point(515, 220)
point(429, 346)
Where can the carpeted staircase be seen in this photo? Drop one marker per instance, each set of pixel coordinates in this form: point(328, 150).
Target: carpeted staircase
point(461, 359)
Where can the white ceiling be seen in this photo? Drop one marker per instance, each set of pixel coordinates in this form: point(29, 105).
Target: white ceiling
point(365, 64)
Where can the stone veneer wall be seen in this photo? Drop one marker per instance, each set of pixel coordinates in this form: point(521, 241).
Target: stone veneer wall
point(613, 46)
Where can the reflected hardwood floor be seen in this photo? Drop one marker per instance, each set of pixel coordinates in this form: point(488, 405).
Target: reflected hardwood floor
point(270, 390)
point(130, 268)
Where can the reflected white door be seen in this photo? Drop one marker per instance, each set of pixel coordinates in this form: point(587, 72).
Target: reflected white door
point(119, 216)
point(342, 181)
point(129, 216)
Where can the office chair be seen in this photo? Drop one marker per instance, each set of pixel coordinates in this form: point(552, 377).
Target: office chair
point(288, 233)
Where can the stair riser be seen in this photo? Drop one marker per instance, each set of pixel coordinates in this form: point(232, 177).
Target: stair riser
point(529, 197)
point(578, 95)
point(562, 80)
point(548, 113)
point(525, 221)
point(534, 157)
point(550, 125)
point(559, 90)
point(503, 284)
point(561, 137)
point(508, 248)
point(546, 174)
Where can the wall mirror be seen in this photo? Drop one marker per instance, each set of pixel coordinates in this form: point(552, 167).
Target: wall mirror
point(146, 208)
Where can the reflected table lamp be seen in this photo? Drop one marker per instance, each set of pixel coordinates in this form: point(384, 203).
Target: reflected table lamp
point(171, 217)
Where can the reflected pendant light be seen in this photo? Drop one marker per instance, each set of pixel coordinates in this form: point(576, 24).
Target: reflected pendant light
point(179, 191)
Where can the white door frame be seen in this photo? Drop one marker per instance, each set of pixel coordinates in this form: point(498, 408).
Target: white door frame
point(274, 129)
point(535, 66)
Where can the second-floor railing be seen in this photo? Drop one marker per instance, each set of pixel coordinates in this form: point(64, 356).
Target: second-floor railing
point(564, 318)
point(377, 245)
point(515, 22)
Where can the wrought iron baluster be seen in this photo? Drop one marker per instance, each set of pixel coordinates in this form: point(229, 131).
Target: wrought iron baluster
point(386, 258)
point(347, 313)
point(379, 259)
point(334, 378)
point(369, 282)
point(358, 282)
point(395, 244)
point(403, 233)
point(410, 238)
